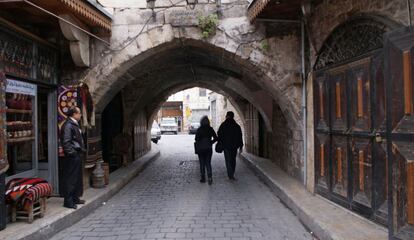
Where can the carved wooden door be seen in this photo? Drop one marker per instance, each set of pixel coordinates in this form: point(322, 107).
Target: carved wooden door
point(350, 128)
point(399, 50)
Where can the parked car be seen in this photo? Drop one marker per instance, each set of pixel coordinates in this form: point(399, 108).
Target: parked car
point(192, 129)
point(155, 132)
point(169, 125)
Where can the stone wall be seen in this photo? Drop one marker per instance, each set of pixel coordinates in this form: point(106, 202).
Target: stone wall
point(285, 150)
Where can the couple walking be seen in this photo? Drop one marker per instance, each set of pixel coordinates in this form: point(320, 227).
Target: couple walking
point(229, 139)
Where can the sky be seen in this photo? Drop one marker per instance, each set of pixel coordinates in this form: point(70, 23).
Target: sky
point(109, 5)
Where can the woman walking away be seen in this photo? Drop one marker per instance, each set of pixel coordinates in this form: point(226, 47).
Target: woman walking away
point(204, 139)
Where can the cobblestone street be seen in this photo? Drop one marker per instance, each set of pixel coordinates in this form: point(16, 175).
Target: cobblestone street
point(167, 201)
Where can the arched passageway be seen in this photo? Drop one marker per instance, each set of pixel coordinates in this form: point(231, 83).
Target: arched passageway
point(146, 80)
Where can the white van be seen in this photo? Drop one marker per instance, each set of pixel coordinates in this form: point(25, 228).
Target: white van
point(169, 125)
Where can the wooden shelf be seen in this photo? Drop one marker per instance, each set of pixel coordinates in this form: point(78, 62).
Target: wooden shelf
point(22, 139)
point(19, 111)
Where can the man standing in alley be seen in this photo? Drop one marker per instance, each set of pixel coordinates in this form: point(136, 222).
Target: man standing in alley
point(230, 138)
point(73, 147)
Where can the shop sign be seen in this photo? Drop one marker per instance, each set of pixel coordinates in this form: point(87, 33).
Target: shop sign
point(182, 17)
point(13, 86)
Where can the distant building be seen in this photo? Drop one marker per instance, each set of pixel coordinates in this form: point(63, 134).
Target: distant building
point(196, 105)
point(219, 106)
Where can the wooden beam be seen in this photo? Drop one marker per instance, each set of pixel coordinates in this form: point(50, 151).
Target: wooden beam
point(26, 33)
point(338, 100)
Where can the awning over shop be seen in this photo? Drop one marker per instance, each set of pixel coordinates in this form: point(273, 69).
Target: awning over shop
point(88, 12)
point(276, 9)
point(269, 9)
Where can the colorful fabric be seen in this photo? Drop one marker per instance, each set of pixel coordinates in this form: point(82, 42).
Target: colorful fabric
point(68, 97)
point(25, 191)
point(79, 96)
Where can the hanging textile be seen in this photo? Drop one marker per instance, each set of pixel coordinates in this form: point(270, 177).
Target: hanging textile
point(79, 96)
point(86, 106)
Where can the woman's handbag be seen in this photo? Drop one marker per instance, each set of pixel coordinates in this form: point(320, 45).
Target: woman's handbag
point(219, 147)
point(202, 145)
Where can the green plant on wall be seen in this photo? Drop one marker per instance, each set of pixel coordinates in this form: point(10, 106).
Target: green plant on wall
point(208, 25)
point(264, 45)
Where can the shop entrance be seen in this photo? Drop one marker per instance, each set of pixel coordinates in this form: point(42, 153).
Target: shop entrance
point(46, 135)
point(112, 125)
point(31, 139)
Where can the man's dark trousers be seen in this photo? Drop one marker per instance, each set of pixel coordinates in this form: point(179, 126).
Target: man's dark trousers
point(230, 157)
point(73, 180)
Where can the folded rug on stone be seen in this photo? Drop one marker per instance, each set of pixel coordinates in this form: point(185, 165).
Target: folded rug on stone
point(25, 191)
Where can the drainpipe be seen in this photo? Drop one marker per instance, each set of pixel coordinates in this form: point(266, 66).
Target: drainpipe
point(409, 14)
point(304, 102)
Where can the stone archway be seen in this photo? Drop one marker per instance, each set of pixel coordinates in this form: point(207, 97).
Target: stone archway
point(232, 61)
point(254, 68)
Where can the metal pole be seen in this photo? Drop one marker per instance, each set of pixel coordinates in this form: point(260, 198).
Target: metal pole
point(66, 21)
point(409, 13)
point(304, 103)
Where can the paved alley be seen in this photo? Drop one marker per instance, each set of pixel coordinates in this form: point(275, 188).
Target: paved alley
point(167, 201)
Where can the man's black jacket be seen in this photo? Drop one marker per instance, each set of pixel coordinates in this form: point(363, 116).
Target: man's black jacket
point(71, 138)
point(230, 134)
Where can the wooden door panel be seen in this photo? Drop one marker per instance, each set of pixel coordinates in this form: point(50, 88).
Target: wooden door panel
point(338, 95)
point(340, 166)
point(321, 100)
point(379, 106)
point(359, 80)
point(362, 171)
point(322, 149)
point(400, 111)
point(402, 115)
point(400, 177)
point(348, 123)
point(402, 127)
point(380, 180)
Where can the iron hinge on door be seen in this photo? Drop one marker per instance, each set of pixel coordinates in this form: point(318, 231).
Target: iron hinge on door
point(377, 136)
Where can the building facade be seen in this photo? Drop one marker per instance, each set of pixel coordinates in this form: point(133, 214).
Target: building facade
point(196, 105)
point(37, 56)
